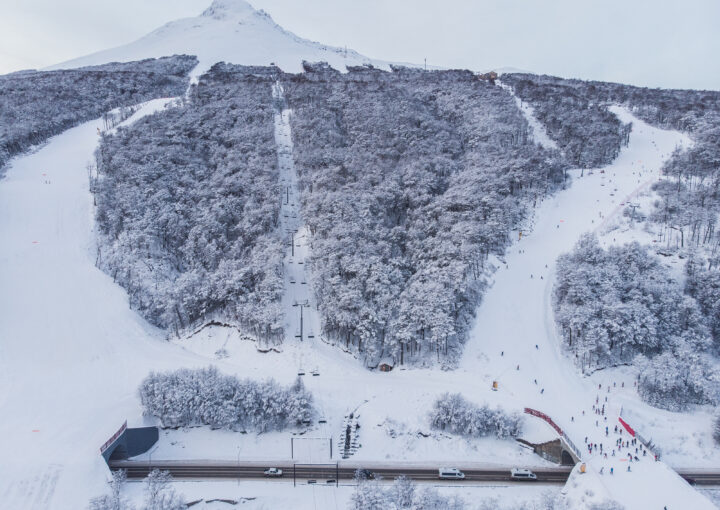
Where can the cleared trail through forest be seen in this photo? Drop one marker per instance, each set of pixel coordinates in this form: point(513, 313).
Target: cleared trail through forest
point(515, 339)
point(302, 322)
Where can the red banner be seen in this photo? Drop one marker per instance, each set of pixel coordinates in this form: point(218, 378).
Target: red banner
point(545, 417)
point(113, 438)
point(627, 427)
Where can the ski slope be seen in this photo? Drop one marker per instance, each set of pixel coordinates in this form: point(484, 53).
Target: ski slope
point(514, 318)
point(72, 353)
point(515, 340)
point(228, 31)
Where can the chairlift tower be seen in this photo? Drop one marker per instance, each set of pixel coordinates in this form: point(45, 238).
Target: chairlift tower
point(301, 304)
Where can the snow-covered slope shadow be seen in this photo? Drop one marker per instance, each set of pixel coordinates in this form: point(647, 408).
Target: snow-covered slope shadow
point(72, 353)
point(228, 31)
point(514, 340)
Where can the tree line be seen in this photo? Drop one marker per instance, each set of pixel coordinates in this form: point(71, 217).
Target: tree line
point(185, 397)
point(35, 105)
point(620, 305)
point(409, 180)
point(689, 199)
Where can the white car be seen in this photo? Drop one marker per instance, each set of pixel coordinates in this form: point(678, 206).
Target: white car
point(274, 472)
point(522, 474)
point(450, 474)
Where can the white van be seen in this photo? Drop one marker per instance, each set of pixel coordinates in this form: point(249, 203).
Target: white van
point(450, 474)
point(522, 474)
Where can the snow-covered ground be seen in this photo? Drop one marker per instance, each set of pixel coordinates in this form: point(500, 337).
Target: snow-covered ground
point(266, 495)
point(515, 343)
point(72, 353)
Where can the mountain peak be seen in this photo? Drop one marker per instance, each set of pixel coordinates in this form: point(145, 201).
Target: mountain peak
point(223, 9)
point(230, 31)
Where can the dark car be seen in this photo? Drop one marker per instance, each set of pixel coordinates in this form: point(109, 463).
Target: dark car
point(364, 474)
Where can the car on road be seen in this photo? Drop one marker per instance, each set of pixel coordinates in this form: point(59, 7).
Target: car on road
point(364, 474)
point(446, 473)
point(273, 472)
point(522, 474)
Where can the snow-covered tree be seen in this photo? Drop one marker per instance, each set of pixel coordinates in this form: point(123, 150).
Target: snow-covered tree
point(614, 304)
point(159, 494)
point(115, 500)
point(188, 397)
point(453, 413)
point(401, 495)
point(674, 380)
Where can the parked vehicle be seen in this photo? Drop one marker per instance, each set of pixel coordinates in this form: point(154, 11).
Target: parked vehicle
point(273, 472)
point(450, 474)
point(522, 474)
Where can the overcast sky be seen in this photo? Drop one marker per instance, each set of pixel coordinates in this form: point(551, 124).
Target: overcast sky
point(666, 43)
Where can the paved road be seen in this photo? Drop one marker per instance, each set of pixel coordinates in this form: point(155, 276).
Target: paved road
point(229, 469)
point(346, 471)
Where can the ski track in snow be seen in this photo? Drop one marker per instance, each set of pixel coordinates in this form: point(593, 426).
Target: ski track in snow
point(72, 352)
point(515, 336)
point(539, 133)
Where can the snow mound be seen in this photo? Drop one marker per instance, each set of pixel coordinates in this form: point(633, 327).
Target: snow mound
point(230, 31)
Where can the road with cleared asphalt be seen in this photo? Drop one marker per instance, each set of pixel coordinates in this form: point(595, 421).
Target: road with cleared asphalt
point(346, 471)
point(229, 469)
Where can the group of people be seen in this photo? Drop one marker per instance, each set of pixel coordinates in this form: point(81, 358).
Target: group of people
point(626, 447)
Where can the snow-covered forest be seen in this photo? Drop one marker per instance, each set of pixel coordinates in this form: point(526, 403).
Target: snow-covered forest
point(455, 414)
point(621, 305)
point(37, 105)
point(703, 283)
point(188, 204)
point(689, 201)
point(409, 180)
point(589, 135)
point(205, 397)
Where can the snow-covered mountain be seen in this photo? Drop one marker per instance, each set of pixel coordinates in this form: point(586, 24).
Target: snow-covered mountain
point(231, 31)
